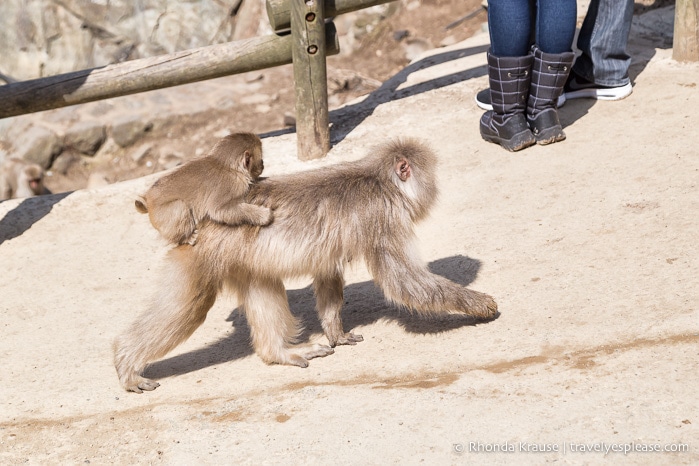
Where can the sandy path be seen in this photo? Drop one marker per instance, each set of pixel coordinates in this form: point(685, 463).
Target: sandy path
point(590, 246)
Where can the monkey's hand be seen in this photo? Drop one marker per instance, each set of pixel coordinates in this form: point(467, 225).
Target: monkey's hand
point(245, 213)
point(298, 355)
point(140, 384)
point(266, 216)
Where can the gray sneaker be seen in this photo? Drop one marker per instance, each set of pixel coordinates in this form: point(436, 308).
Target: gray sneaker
point(580, 88)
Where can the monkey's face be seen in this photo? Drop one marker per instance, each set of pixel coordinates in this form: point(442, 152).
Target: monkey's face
point(34, 179)
point(35, 184)
point(253, 163)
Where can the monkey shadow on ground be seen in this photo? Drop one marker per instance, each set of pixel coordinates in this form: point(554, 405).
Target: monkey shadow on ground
point(347, 118)
point(364, 305)
point(26, 214)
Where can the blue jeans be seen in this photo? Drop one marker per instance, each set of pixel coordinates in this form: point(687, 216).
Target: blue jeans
point(602, 41)
point(511, 23)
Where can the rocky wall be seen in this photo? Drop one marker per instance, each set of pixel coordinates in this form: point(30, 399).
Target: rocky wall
point(47, 37)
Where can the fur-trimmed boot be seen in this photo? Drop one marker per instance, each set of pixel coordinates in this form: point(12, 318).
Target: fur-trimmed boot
point(506, 124)
point(549, 74)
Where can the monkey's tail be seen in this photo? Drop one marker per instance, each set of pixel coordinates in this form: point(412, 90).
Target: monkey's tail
point(141, 205)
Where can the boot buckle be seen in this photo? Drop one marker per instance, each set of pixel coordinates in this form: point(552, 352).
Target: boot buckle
point(522, 74)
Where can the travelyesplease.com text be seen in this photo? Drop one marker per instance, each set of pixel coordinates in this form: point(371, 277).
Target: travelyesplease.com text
point(570, 447)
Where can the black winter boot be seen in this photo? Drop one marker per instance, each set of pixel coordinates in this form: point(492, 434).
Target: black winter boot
point(549, 74)
point(506, 124)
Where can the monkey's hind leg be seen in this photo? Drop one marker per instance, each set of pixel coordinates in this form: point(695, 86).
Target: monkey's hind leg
point(174, 221)
point(406, 281)
point(329, 298)
point(184, 297)
point(273, 327)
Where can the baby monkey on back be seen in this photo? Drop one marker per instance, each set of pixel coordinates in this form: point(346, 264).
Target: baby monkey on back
point(211, 187)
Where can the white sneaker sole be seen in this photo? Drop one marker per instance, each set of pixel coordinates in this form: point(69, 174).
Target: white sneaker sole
point(611, 93)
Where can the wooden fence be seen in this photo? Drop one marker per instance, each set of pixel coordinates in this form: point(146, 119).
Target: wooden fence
point(311, 40)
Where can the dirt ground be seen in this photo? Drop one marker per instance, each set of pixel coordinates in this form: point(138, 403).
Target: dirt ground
point(590, 246)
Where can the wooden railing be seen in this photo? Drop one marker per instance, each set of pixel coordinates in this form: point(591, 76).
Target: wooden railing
point(311, 40)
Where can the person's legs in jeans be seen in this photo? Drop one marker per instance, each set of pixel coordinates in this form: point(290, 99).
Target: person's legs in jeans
point(509, 26)
point(555, 25)
point(553, 58)
point(551, 24)
point(509, 73)
point(604, 62)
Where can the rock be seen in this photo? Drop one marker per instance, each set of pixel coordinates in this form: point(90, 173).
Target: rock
point(289, 120)
point(253, 76)
point(222, 133)
point(251, 20)
point(447, 41)
point(170, 160)
point(400, 34)
point(139, 154)
point(97, 180)
point(85, 137)
point(127, 130)
point(352, 27)
point(169, 157)
point(46, 37)
point(255, 99)
point(64, 161)
point(38, 144)
point(413, 5)
point(340, 80)
point(416, 47)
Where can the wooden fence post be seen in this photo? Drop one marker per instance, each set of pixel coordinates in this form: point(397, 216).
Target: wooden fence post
point(685, 44)
point(310, 78)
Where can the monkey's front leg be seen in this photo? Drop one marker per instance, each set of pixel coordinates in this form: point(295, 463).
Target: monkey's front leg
point(272, 326)
point(329, 300)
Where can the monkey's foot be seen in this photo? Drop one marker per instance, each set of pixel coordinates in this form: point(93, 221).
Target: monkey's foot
point(485, 307)
point(301, 354)
point(139, 384)
point(348, 338)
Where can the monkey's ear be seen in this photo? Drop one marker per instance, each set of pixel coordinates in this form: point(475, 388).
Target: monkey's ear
point(402, 168)
point(246, 159)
